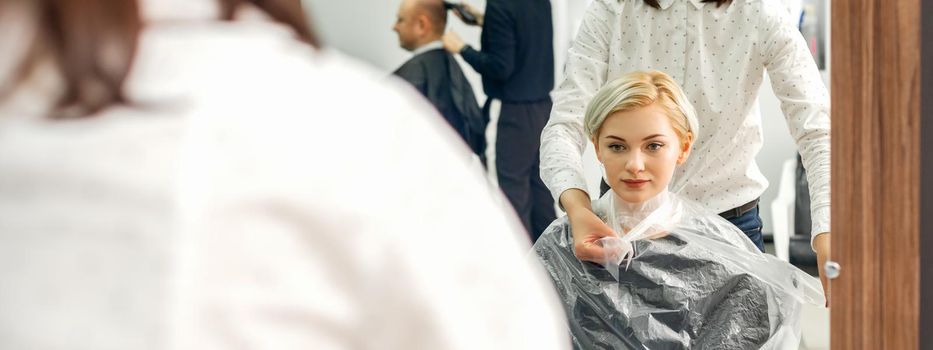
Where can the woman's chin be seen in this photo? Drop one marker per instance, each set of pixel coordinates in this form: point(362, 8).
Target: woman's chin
point(635, 196)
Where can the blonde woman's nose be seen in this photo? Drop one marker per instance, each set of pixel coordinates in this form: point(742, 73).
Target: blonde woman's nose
point(635, 163)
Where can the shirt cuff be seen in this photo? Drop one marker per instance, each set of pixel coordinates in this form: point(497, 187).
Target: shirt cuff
point(820, 223)
point(469, 54)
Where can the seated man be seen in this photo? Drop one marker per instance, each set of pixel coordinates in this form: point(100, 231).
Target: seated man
point(435, 73)
point(679, 276)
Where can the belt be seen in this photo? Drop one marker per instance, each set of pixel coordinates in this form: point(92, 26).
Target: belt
point(739, 210)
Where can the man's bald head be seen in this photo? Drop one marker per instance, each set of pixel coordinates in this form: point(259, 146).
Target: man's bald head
point(435, 12)
point(420, 22)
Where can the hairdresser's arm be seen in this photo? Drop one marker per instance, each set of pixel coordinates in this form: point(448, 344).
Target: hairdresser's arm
point(587, 228)
point(563, 139)
point(821, 244)
point(796, 81)
point(496, 60)
point(805, 103)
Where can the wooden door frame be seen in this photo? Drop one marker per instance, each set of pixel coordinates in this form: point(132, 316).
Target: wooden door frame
point(876, 168)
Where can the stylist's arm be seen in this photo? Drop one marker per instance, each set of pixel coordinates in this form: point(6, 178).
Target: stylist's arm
point(587, 228)
point(563, 139)
point(822, 247)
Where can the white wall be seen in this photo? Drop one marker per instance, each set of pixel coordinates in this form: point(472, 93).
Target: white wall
point(778, 147)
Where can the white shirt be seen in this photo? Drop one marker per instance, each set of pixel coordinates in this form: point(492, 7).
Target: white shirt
point(718, 56)
point(258, 194)
point(436, 44)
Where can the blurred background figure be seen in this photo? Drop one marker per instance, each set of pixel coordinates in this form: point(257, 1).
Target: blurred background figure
point(195, 174)
point(435, 73)
point(517, 64)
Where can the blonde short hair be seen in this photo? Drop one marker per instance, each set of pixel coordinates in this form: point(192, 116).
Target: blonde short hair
point(640, 89)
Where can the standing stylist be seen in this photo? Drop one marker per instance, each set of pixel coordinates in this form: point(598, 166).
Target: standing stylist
point(517, 65)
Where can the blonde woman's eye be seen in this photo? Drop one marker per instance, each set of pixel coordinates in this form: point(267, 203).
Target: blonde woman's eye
point(616, 147)
point(655, 146)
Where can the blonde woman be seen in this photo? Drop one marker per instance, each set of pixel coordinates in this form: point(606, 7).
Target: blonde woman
point(678, 275)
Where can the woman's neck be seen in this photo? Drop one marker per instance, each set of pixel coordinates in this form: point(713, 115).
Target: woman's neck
point(628, 214)
point(647, 205)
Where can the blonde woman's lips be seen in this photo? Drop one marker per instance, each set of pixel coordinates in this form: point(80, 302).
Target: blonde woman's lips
point(636, 183)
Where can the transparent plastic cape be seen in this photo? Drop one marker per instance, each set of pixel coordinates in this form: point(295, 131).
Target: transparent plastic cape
point(679, 277)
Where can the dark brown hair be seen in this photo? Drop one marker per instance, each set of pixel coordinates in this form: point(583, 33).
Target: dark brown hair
point(655, 4)
point(93, 43)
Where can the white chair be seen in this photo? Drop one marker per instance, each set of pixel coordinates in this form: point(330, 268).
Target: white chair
point(782, 210)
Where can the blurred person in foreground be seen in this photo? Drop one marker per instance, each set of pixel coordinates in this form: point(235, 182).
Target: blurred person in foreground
point(167, 183)
point(435, 73)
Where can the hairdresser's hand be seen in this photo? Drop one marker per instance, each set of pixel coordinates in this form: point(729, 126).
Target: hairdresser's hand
point(452, 42)
point(822, 247)
point(586, 226)
point(473, 11)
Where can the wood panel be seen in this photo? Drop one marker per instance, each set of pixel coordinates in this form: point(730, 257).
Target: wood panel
point(875, 169)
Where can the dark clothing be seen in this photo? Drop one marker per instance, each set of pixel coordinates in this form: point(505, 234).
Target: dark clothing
point(750, 224)
point(517, 65)
point(675, 295)
point(802, 221)
point(517, 57)
point(800, 251)
point(438, 77)
point(699, 285)
point(517, 163)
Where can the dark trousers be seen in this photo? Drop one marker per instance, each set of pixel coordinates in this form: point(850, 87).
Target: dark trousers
point(518, 141)
point(749, 222)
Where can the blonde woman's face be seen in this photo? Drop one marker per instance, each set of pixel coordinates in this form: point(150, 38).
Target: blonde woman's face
point(639, 150)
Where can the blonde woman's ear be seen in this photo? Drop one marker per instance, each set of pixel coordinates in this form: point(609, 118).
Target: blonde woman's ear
point(685, 149)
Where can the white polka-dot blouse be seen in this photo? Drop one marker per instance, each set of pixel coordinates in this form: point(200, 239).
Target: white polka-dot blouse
point(719, 56)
